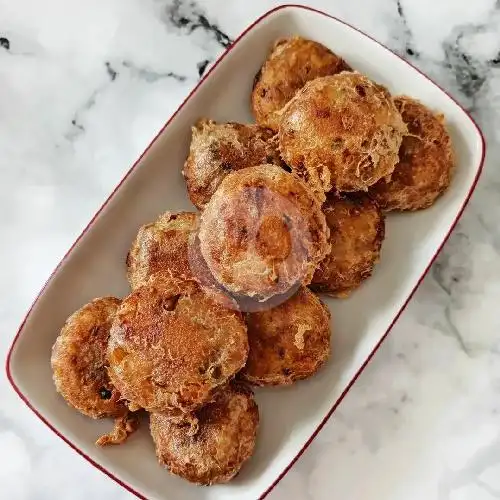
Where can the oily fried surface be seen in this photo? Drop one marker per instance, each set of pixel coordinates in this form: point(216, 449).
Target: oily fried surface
point(219, 148)
point(289, 342)
point(161, 246)
point(342, 133)
point(426, 161)
point(79, 361)
point(291, 63)
point(223, 441)
point(171, 346)
point(169, 246)
point(262, 232)
point(356, 233)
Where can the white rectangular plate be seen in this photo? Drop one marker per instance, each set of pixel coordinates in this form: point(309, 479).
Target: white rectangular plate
point(95, 266)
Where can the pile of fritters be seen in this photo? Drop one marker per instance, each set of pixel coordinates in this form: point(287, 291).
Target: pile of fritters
point(222, 298)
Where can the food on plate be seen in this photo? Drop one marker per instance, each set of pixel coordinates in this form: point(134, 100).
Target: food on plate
point(289, 342)
point(291, 63)
point(357, 229)
point(162, 246)
point(341, 133)
point(79, 366)
point(169, 246)
point(425, 161)
point(219, 148)
point(263, 232)
point(171, 346)
point(289, 206)
point(218, 445)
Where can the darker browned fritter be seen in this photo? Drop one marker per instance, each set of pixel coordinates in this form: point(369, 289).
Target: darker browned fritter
point(171, 346)
point(289, 342)
point(357, 229)
point(79, 365)
point(219, 148)
point(223, 440)
point(426, 161)
point(341, 133)
point(263, 232)
point(291, 63)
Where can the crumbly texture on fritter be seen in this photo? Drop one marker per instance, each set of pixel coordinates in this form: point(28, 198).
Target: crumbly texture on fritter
point(223, 440)
point(162, 246)
point(219, 148)
point(357, 229)
point(171, 346)
point(341, 133)
point(169, 247)
point(426, 161)
point(263, 232)
point(79, 362)
point(290, 65)
point(122, 428)
point(289, 342)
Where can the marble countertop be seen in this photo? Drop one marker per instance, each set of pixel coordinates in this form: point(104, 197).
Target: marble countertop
point(84, 86)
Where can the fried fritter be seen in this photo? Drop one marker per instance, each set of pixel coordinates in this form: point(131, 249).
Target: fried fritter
point(169, 246)
point(162, 246)
point(357, 229)
point(79, 366)
point(291, 63)
point(341, 133)
point(171, 346)
point(263, 232)
point(219, 148)
point(223, 441)
point(425, 163)
point(79, 360)
point(289, 342)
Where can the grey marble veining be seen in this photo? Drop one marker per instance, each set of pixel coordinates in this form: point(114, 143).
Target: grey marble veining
point(84, 87)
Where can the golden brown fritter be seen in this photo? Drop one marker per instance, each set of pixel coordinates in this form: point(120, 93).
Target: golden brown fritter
point(79, 366)
point(357, 230)
point(291, 63)
point(169, 246)
point(162, 246)
point(171, 346)
point(224, 438)
point(341, 132)
point(426, 161)
point(263, 232)
point(79, 361)
point(219, 148)
point(289, 342)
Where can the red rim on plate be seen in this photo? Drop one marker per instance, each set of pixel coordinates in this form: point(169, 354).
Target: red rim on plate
point(368, 359)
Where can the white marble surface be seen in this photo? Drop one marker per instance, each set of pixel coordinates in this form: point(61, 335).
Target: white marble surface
point(83, 88)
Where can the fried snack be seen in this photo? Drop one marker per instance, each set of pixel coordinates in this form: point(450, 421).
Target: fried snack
point(79, 366)
point(171, 346)
point(79, 361)
point(169, 246)
point(357, 230)
point(341, 132)
point(426, 161)
point(162, 246)
point(219, 148)
point(291, 63)
point(223, 441)
point(289, 342)
point(263, 232)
